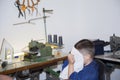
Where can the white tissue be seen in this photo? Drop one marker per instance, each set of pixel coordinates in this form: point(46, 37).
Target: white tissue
point(78, 65)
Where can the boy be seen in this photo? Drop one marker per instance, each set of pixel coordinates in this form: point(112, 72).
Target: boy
point(90, 70)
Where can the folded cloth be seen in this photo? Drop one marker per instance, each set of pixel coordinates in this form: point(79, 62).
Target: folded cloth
point(78, 65)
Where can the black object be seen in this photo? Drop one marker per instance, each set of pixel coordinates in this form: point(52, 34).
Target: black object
point(34, 49)
point(99, 46)
point(49, 38)
point(60, 41)
point(4, 64)
point(55, 38)
point(101, 69)
point(22, 75)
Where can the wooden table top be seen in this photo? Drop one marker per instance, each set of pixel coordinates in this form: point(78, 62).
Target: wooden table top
point(24, 65)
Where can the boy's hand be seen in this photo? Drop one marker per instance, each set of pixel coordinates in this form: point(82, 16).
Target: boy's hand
point(71, 64)
point(71, 59)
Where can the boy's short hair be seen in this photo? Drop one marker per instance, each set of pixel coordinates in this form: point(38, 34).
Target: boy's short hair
point(87, 45)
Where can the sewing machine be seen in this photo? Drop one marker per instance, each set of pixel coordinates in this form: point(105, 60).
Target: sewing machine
point(115, 46)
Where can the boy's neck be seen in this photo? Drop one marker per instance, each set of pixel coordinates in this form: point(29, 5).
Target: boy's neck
point(88, 62)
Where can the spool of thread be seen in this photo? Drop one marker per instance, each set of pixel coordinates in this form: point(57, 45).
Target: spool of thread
point(60, 41)
point(49, 38)
point(55, 38)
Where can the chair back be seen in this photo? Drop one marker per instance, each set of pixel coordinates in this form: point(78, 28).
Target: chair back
point(102, 70)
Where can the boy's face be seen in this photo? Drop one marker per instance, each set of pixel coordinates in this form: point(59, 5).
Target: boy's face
point(86, 56)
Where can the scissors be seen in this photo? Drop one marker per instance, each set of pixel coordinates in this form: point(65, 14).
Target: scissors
point(18, 6)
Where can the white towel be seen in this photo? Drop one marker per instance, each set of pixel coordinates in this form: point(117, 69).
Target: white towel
point(78, 65)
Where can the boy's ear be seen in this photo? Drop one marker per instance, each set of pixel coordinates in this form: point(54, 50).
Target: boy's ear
point(88, 56)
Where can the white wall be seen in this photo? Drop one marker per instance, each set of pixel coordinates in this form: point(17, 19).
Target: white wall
point(73, 19)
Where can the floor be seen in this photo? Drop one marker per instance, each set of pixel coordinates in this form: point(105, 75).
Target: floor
point(115, 74)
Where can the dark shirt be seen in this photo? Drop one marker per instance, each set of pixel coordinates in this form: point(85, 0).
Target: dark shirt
point(89, 72)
